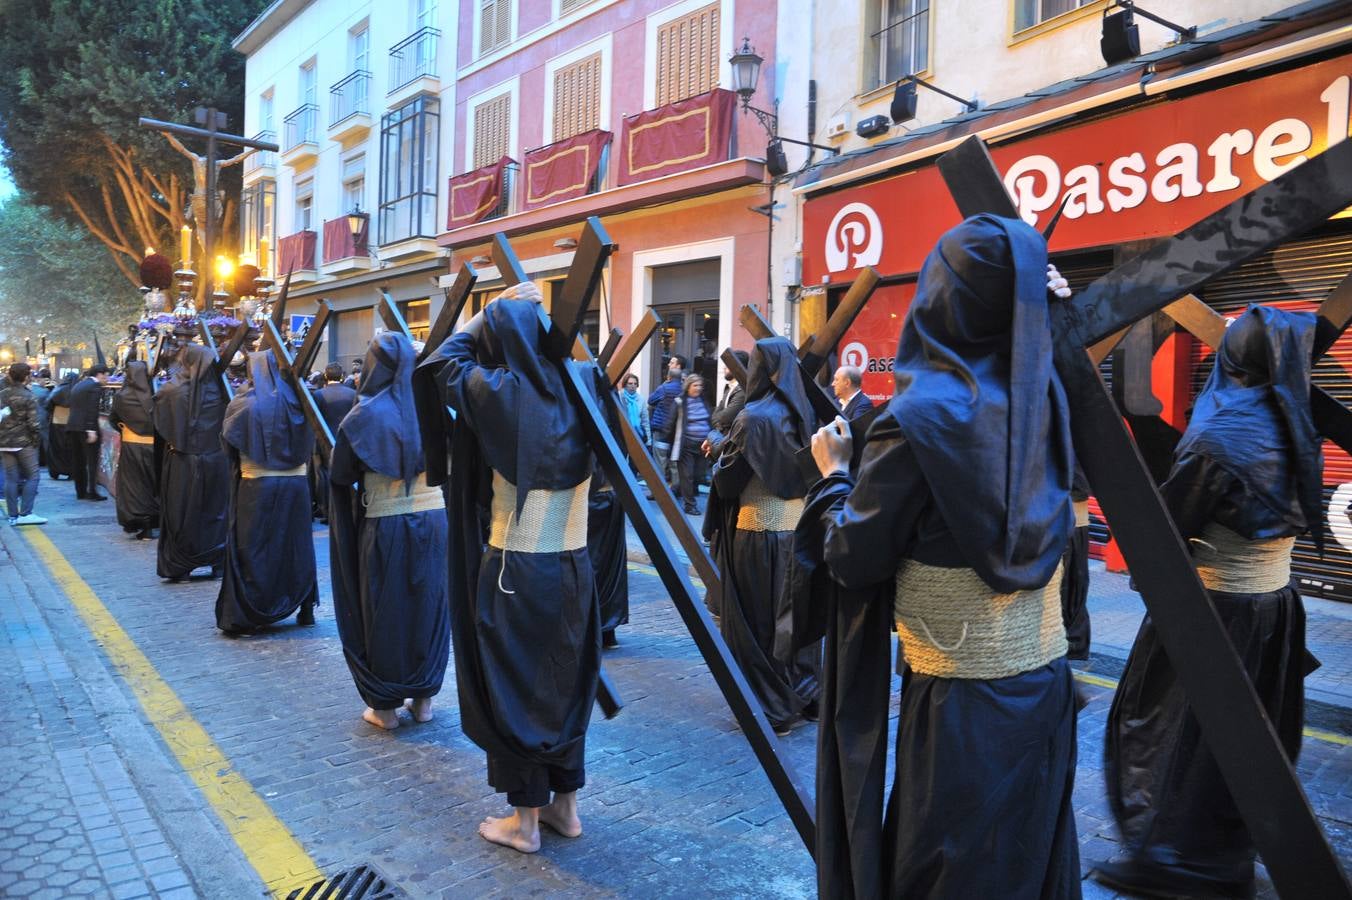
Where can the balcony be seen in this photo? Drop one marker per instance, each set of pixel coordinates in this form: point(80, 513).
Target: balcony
point(350, 108)
point(413, 66)
point(261, 163)
point(300, 149)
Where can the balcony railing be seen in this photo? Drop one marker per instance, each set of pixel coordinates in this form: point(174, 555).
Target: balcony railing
point(261, 159)
point(300, 127)
point(349, 97)
point(413, 57)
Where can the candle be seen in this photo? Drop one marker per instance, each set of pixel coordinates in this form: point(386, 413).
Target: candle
point(185, 246)
point(263, 256)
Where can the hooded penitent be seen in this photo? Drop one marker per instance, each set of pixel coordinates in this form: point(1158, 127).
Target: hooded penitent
point(1246, 477)
point(389, 576)
point(964, 480)
point(194, 479)
point(777, 420)
point(519, 618)
point(133, 409)
point(61, 456)
point(269, 559)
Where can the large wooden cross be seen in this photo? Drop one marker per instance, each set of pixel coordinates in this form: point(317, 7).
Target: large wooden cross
point(1237, 731)
point(294, 369)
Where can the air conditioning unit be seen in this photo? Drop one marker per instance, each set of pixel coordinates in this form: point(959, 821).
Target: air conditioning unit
point(837, 128)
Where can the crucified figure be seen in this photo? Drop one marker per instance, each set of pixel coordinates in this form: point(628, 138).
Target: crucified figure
point(199, 177)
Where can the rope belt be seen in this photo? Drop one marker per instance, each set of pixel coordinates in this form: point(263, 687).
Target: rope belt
point(60, 415)
point(952, 625)
point(386, 496)
point(1081, 513)
point(550, 521)
point(131, 437)
point(1232, 563)
point(250, 469)
point(763, 511)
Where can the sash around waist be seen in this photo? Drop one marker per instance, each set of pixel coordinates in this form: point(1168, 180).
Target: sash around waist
point(1229, 562)
point(550, 521)
point(1081, 513)
point(131, 437)
point(60, 415)
point(385, 496)
point(761, 510)
point(952, 625)
point(250, 469)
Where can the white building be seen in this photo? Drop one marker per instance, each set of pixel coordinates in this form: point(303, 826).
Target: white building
point(354, 94)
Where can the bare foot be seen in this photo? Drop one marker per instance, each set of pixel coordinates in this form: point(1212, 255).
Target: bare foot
point(561, 815)
point(381, 718)
point(511, 831)
point(421, 709)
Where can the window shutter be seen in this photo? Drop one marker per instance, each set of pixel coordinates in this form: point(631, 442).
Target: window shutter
point(495, 24)
point(577, 97)
point(687, 55)
point(492, 130)
point(567, 6)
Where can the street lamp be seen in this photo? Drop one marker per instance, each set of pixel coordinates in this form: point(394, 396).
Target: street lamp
point(746, 65)
point(355, 220)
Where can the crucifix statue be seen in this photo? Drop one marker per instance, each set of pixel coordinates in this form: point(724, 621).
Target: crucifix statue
point(205, 169)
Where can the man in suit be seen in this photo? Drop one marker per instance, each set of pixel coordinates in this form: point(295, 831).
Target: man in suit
point(846, 385)
point(82, 430)
point(731, 399)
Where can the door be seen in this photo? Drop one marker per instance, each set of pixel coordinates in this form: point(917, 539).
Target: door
point(686, 296)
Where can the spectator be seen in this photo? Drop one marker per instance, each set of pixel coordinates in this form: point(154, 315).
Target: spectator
point(661, 404)
point(19, 438)
point(729, 405)
point(691, 428)
point(42, 388)
point(635, 410)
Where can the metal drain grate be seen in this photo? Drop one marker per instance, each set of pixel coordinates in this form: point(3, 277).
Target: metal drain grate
point(360, 883)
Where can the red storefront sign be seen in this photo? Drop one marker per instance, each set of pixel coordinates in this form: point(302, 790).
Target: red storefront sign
point(562, 170)
point(1148, 172)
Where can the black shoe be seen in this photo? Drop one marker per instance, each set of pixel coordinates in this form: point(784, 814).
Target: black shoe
point(145, 534)
point(217, 571)
point(306, 616)
point(811, 711)
point(96, 497)
point(1157, 881)
point(782, 729)
point(608, 640)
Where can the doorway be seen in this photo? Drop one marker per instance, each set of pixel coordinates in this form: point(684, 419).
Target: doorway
point(686, 297)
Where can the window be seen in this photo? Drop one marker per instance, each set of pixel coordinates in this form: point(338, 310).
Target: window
point(408, 166)
point(424, 13)
point(492, 130)
point(902, 40)
point(305, 195)
point(495, 24)
point(359, 49)
point(308, 93)
point(417, 316)
point(266, 119)
point(687, 55)
point(1028, 13)
point(567, 6)
point(354, 183)
point(577, 97)
point(258, 218)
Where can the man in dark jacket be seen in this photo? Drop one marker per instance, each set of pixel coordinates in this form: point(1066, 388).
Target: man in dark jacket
point(848, 387)
point(730, 402)
point(82, 430)
point(19, 437)
point(662, 403)
point(335, 400)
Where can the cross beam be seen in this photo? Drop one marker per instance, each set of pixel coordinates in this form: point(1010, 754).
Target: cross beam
point(224, 355)
point(432, 412)
point(272, 337)
point(1261, 779)
point(631, 346)
point(561, 327)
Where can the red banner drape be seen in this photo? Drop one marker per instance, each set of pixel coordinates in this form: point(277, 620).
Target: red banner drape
point(562, 170)
point(297, 251)
point(683, 135)
point(475, 194)
point(340, 243)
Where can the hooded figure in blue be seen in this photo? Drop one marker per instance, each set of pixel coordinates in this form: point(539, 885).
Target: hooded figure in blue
point(953, 528)
point(269, 551)
point(525, 623)
point(387, 544)
point(1246, 481)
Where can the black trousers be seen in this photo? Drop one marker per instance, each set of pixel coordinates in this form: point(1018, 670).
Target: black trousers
point(690, 467)
point(85, 462)
point(530, 786)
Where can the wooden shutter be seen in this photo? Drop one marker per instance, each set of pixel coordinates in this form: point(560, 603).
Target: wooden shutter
point(577, 97)
point(567, 6)
point(492, 130)
point(495, 24)
point(687, 55)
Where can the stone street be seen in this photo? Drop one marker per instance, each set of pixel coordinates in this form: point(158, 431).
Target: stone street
point(113, 789)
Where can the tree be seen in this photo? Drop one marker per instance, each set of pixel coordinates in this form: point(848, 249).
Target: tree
point(80, 73)
point(56, 280)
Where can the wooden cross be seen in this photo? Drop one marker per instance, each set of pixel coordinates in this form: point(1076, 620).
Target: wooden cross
point(432, 412)
point(295, 370)
point(1261, 779)
point(225, 354)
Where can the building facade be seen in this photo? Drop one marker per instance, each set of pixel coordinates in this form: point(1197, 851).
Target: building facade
point(357, 95)
point(1131, 152)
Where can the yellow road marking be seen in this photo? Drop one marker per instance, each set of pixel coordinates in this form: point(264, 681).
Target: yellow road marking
point(271, 849)
point(1317, 734)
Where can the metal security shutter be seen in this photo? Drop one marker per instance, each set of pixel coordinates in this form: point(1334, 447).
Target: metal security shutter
point(577, 97)
point(354, 333)
point(687, 55)
point(1298, 276)
point(492, 130)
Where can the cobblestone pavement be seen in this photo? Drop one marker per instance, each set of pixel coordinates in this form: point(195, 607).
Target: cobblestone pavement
point(675, 803)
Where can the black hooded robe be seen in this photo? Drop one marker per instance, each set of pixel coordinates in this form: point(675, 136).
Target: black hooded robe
point(269, 548)
point(1251, 462)
point(335, 401)
point(194, 478)
point(61, 461)
point(525, 625)
point(389, 581)
point(966, 468)
point(609, 553)
point(1075, 575)
point(133, 411)
point(756, 606)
